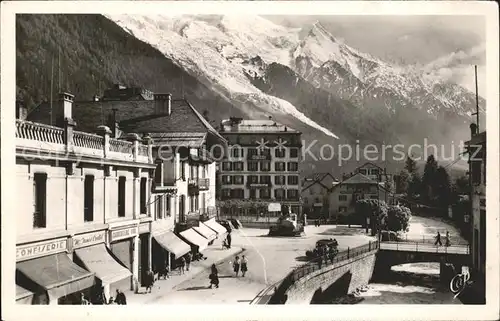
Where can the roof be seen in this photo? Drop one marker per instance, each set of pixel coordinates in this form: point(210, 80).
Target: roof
point(134, 116)
point(314, 183)
point(358, 179)
point(368, 163)
point(192, 140)
point(319, 177)
point(253, 126)
point(477, 139)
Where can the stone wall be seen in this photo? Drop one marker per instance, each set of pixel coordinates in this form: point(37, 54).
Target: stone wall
point(338, 279)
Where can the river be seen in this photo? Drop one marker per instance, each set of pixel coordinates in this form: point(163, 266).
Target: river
point(413, 283)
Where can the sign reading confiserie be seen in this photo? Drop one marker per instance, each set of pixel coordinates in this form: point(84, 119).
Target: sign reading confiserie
point(123, 233)
point(29, 251)
point(88, 239)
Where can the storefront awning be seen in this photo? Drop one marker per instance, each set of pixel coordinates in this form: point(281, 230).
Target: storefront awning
point(97, 259)
point(172, 243)
point(206, 232)
point(212, 223)
point(23, 296)
point(192, 237)
point(57, 274)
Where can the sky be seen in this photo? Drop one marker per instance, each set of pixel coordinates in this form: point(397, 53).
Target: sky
point(446, 46)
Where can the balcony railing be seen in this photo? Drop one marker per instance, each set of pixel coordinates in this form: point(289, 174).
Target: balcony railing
point(34, 137)
point(204, 184)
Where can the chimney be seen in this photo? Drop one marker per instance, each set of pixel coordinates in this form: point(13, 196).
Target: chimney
point(163, 103)
point(21, 110)
point(473, 129)
point(64, 108)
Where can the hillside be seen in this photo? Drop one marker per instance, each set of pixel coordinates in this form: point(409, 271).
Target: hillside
point(89, 53)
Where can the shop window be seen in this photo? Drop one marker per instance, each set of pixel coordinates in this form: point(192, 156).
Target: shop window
point(40, 200)
point(88, 198)
point(143, 198)
point(121, 196)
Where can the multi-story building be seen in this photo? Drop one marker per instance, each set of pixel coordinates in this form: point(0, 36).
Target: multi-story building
point(262, 166)
point(316, 195)
point(86, 222)
point(476, 147)
point(182, 190)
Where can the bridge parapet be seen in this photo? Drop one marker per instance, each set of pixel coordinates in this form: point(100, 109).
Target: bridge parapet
point(425, 247)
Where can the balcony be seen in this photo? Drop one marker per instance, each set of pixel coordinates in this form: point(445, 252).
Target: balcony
point(40, 139)
point(193, 187)
point(204, 184)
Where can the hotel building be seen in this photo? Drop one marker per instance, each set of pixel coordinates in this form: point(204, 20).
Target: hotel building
point(262, 166)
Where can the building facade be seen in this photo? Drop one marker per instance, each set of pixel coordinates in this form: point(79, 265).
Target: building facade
point(476, 147)
point(316, 195)
point(262, 166)
point(85, 219)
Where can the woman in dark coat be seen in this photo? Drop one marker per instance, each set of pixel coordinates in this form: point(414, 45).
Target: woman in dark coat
point(236, 265)
point(244, 267)
point(214, 277)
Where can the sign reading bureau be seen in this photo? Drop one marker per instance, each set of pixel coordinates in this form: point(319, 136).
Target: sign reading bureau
point(88, 239)
point(29, 251)
point(123, 233)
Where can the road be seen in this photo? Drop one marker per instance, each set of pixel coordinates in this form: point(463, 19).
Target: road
point(270, 259)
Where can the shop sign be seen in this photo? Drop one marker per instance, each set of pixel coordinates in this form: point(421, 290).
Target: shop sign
point(274, 207)
point(89, 239)
point(123, 233)
point(29, 251)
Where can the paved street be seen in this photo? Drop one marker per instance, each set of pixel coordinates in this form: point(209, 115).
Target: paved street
point(270, 259)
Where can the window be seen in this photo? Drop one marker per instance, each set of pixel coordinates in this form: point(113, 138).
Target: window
point(252, 152)
point(265, 193)
point(238, 179)
point(237, 166)
point(253, 193)
point(253, 166)
point(362, 171)
point(191, 203)
point(238, 193)
point(159, 206)
point(293, 180)
point(226, 166)
point(40, 200)
point(253, 179)
point(88, 198)
point(144, 191)
point(279, 152)
point(374, 171)
point(227, 179)
point(265, 152)
point(121, 196)
point(279, 166)
point(183, 170)
point(265, 166)
point(236, 152)
point(293, 166)
point(193, 172)
point(294, 152)
point(306, 201)
point(342, 198)
point(279, 194)
point(196, 202)
point(168, 207)
point(292, 194)
point(226, 193)
point(266, 179)
point(279, 180)
point(182, 207)
point(204, 170)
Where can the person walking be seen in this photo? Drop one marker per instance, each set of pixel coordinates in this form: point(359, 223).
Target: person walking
point(121, 299)
point(438, 239)
point(236, 265)
point(447, 239)
point(149, 280)
point(214, 277)
point(189, 257)
point(228, 238)
point(331, 253)
point(182, 265)
point(244, 265)
point(83, 300)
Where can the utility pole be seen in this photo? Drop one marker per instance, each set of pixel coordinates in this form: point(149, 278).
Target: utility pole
point(477, 99)
point(51, 89)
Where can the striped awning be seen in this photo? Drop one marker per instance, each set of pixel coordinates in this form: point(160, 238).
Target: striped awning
point(206, 232)
point(172, 243)
point(211, 223)
point(194, 238)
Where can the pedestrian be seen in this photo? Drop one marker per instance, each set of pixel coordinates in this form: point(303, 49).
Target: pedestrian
point(100, 297)
point(121, 299)
point(331, 253)
point(182, 265)
point(447, 240)
point(83, 300)
point(438, 239)
point(149, 280)
point(244, 265)
point(188, 260)
point(165, 271)
point(236, 265)
point(214, 277)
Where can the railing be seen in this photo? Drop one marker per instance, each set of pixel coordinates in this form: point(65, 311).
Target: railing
point(39, 132)
point(86, 140)
point(120, 146)
point(204, 183)
point(424, 247)
point(317, 264)
point(32, 136)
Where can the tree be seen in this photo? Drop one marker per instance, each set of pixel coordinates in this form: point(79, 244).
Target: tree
point(442, 188)
point(374, 209)
point(429, 180)
point(398, 218)
point(414, 187)
point(403, 182)
point(410, 164)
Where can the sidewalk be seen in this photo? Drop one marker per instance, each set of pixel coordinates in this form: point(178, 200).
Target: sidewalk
point(163, 287)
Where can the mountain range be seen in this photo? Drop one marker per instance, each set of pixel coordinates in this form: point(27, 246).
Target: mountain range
point(251, 67)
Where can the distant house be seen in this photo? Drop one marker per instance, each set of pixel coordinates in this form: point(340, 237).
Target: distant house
point(315, 195)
